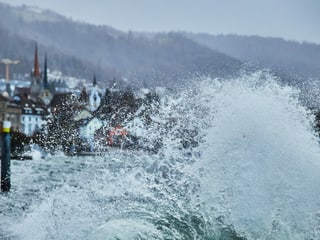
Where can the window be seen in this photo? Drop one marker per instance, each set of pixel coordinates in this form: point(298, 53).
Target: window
point(30, 128)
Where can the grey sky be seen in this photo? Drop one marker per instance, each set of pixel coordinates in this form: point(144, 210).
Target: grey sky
point(290, 19)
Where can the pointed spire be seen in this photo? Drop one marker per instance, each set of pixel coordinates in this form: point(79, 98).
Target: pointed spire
point(94, 80)
point(45, 74)
point(36, 69)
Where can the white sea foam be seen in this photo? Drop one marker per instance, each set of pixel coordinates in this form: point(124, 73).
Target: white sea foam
point(254, 172)
point(262, 160)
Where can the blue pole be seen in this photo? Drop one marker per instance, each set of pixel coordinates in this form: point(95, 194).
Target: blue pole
point(5, 157)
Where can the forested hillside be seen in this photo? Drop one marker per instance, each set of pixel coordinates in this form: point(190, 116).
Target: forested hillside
point(297, 60)
point(82, 49)
point(18, 48)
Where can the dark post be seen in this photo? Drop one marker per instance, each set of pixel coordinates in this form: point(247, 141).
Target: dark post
point(5, 157)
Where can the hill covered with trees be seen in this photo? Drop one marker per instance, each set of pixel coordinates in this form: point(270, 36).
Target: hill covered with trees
point(298, 60)
point(82, 49)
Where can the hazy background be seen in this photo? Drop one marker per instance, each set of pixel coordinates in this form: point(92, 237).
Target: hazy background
point(289, 19)
point(165, 43)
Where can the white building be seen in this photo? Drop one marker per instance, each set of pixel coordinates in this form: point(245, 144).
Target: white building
point(88, 130)
point(33, 117)
point(94, 96)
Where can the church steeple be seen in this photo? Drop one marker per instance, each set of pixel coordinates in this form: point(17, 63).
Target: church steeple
point(95, 96)
point(45, 75)
point(43, 87)
point(94, 81)
point(36, 68)
point(36, 78)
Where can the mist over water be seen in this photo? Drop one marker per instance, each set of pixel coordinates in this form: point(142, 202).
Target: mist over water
point(255, 173)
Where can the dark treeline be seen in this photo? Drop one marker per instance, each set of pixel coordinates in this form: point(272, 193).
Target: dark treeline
point(299, 60)
point(78, 49)
point(293, 63)
point(18, 48)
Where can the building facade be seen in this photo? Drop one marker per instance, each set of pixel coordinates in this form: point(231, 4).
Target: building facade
point(10, 112)
point(33, 117)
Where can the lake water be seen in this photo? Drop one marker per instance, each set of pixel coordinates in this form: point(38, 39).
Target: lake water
point(255, 174)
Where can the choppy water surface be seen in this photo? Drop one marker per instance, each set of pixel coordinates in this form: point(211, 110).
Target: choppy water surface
point(254, 175)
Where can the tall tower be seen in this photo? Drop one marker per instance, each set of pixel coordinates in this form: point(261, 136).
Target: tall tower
point(94, 81)
point(95, 96)
point(45, 75)
point(36, 68)
point(35, 76)
point(45, 93)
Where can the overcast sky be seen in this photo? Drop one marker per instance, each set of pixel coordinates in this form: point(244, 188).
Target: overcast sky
point(289, 19)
